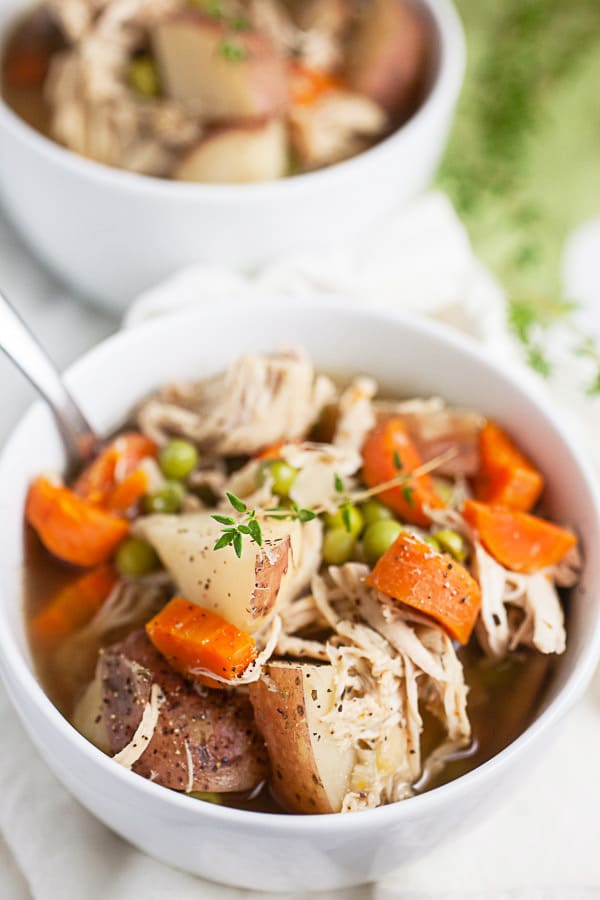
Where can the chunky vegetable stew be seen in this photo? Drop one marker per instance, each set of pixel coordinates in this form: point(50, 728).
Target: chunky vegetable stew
point(280, 593)
point(228, 91)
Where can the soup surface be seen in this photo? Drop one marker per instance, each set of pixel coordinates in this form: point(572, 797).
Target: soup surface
point(235, 91)
point(266, 560)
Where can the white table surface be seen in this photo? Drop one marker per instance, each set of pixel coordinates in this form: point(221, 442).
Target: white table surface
point(560, 860)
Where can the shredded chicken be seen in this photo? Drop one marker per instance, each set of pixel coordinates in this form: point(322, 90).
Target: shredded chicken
point(94, 111)
point(142, 736)
point(323, 30)
point(335, 127)
point(542, 623)
point(259, 400)
point(385, 664)
point(356, 416)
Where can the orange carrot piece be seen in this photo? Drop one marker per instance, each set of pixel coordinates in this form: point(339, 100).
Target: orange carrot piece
point(75, 604)
point(308, 85)
point(273, 451)
point(413, 573)
point(385, 445)
point(519, 541)
point(192, 638)
point(114, 464)
point(70, 527)
point(128, 492)
point(506, 477)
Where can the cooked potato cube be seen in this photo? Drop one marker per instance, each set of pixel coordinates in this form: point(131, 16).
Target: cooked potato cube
point(223, 74)
point(237, 154)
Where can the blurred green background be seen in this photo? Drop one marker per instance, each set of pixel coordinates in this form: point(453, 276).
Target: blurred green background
point(523, 163)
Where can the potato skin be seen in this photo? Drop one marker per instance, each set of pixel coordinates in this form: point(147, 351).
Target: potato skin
point(309, 772)
point(227, 751)
point(389, 55)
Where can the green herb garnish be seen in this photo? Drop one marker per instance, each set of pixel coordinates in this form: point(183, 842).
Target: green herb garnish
point(232, 51)
point(233, 533)
point(407, 493)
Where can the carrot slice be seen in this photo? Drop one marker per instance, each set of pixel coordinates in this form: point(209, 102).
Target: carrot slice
point(70, 527)
point(114, 464)
point(415, 574)
point(75, 604)
point(308, 85)
point(385, 446)
point(506, 477)
point(128, 492)
point(519, 541)
point(273, 451)
point(192, 638)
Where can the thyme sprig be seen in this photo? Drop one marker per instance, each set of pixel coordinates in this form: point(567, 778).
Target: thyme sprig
point(234, 531)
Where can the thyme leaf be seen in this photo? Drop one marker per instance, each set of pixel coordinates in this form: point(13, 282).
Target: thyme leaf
point(237, 504)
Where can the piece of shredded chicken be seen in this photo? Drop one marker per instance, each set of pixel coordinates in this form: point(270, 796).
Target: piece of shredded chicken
point(335, 127)
point(356, 415)
point(261, 399)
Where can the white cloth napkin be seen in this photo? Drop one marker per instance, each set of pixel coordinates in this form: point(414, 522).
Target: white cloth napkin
point(542, 844)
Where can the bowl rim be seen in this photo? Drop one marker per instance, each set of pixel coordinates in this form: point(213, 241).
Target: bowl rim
point(16, 670)
point(442, 94)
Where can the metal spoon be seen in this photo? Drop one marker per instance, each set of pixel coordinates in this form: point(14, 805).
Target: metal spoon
point(19, 344)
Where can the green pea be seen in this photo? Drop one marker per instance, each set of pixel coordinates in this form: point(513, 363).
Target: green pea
point(452, 543)
point(433, 542)
point(143, 76)
point(282, 475)
point(375, 511)
point(135, 558)
point(353, 523)
point(207, 796)
point(379, 537)
point(168, 499)
point(177, 459)
point(338, 547)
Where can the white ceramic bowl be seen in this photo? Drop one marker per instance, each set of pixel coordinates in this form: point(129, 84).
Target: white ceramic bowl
point(111, 234)
point(273, 852)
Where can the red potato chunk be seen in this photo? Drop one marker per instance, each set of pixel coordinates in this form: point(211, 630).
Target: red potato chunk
point(388, 55)
point(205, 740)
point(310, 771)
point(237, 155)
point(224, 75)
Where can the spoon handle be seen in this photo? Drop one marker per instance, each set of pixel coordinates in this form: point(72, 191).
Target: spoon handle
point(19, 344)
